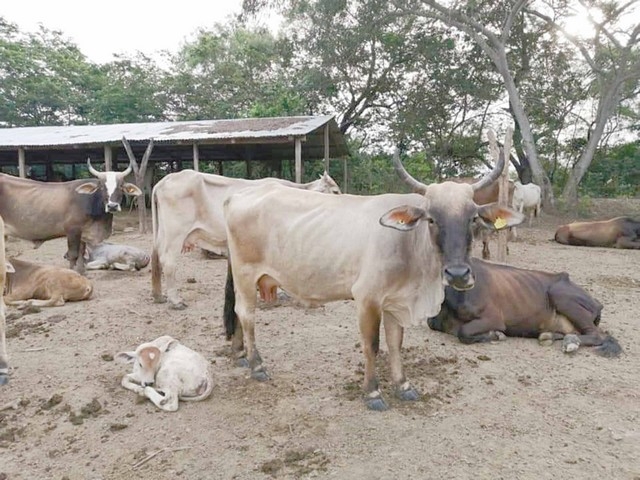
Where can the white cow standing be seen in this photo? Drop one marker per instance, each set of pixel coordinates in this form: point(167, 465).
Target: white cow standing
point(527, 197)
point(165, 371)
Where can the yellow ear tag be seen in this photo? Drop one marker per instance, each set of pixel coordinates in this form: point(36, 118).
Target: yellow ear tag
point(500, 223)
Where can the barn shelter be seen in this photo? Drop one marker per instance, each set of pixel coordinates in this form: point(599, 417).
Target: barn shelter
point(184, 144)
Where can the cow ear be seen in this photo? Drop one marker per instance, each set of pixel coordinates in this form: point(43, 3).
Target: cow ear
point(87, 188)
point(9, 268)
point(496, 217)
point(402, 218)
point(131, 190)
point(125, 357)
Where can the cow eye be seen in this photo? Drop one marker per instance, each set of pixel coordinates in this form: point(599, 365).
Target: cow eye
point(430, 221)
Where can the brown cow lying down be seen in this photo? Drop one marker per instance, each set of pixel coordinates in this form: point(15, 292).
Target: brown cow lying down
point(620, 232)
point(32, 284)
point(523, 303)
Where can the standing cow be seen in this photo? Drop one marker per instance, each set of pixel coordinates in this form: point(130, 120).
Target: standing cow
point(187, 212)
point(80, 210)
point(527, 198)
point(390, 253)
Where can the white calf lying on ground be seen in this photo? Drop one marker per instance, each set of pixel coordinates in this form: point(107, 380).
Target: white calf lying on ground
point(175, 371)
point(110, 256)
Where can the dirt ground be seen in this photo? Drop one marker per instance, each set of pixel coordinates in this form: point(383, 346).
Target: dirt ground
point(509, 410)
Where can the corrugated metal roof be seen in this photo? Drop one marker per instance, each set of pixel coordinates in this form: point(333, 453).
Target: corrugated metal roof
point(201, 130)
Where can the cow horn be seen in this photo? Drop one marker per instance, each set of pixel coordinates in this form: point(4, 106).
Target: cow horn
point(127, 171)
point(493, 175)
point(93, 171)
point(415, 185)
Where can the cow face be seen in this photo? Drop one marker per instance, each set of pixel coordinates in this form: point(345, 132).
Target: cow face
point(146, 362)
point(112, 186)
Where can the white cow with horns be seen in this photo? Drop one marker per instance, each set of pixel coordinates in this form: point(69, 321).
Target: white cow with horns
point(392, 254)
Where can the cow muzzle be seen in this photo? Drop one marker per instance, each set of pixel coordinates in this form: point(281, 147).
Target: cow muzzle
point(147, 384)
point(112, 207)
point(459, 277)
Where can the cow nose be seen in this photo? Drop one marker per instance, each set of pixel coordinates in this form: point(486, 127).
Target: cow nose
point(459, 277)
point(113, 207)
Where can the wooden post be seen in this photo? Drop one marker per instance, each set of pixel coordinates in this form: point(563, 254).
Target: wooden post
point(298, 160)
point(139, 173)
point(220, 169)
point(196, 157)
point(503, 184)
point(326, 148)
point(344, 180)
point(22, 164)
point(108, 157)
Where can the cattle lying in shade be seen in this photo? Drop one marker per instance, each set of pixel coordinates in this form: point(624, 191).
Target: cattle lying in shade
point(4, 357)
point(523, 303)
point(80, 210)
point(186, 208)
point(392, 254)
point(36, 285)
point(111, 256)
point(166, 371)
point(619, 232)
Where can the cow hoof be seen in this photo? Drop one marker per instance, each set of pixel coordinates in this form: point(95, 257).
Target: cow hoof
point(160, 299)
point(570, 343)
point(545, 339)
point(4, 378)
point(260, 375)
point(377, 404)
point(178, 306)
point(500, 336)
point(242, 362)
point(408, 395)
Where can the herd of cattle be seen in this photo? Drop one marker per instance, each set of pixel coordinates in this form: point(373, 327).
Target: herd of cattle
point(400, 257)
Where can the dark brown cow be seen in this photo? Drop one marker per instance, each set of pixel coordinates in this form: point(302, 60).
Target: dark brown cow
point(80, 210)
point(523, 303)
point(619, 232)
point(484, 196)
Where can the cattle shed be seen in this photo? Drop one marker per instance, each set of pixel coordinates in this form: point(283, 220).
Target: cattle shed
point(182, 144)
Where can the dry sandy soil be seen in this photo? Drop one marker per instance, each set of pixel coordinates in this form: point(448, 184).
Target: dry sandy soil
point(509, 410)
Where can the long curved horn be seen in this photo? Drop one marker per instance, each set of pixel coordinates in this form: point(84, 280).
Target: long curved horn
point(126, 172)
point(415, 185)
point(493, 175)
point(93, 171)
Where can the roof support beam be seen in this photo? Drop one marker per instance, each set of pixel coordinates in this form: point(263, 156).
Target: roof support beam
point(196, 157)
point(326, 147)
point(108, 158)
point(298, 160)
point(22, 166)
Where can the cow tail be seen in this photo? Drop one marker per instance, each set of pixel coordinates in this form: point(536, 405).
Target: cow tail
point(156, 268)
point(230, 317)
point(609, 348)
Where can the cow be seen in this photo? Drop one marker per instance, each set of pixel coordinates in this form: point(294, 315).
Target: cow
point(81, 210)
point(165, 371)
point(527, 198)
point(619, 232)
point(484, 196)
point(186, 210)
point(36, 285)
point(110, 256)
point(517, 302)
point(391, 253)
point(4, 357)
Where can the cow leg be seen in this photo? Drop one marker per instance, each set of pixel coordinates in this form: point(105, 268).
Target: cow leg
point(627, 242)
point(245, 308)
point(4, 358)
point(167, 401)
point(480, 330)
point(486, 254)
point(445, 322)
point(394, 333)
point(369, 318)
point(55, 301)
point(74, 255)
point(129, 382)
point(97, 265)
point(168, 259)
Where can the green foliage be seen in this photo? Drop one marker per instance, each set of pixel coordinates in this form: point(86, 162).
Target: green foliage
point(614, 172)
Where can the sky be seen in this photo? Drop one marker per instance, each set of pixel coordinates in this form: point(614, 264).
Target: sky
point(101, 28)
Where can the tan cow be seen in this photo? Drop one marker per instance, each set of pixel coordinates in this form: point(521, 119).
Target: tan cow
point(33, 284)
point(619, 232)
point(393, 254)
point(165, 371)
point(4, 357)
point(187, 212)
